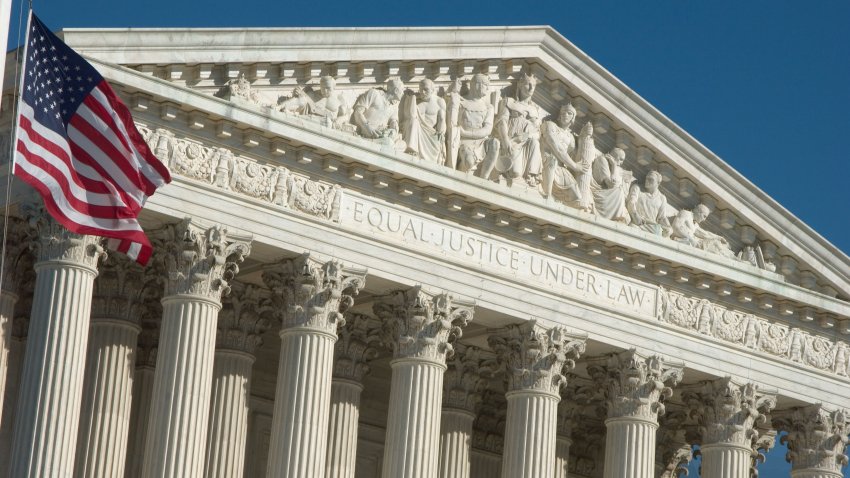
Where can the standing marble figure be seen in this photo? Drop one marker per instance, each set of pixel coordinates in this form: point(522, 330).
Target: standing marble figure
point(471, 133)
point(423, 123)
point(518, 129)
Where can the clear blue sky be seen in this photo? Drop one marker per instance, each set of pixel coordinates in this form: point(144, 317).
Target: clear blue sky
point(764, 84)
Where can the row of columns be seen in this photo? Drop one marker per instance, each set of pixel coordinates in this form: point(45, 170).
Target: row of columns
point(68, 423)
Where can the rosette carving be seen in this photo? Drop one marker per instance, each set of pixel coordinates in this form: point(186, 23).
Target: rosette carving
point(635, 385)
point(55, 243)
point(466, 378)
point(240, 325)
point(310, 293)
point(729, 412)
point(535, 357)
point(200, 260)
point(422, 325)
point(817, 437)
point(358, 344)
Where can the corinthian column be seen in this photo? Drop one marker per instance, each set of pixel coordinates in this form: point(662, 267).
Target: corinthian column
point(727, 413)
point(817, 441)
point(462, 388)
point(239, 334)
point(534, 359)
point(634, 387)
point(356, 347)
point(420, 327)
point(48, 411)
point(107, 389)
point(200, 261)
point(309, 295)
point(15, 266)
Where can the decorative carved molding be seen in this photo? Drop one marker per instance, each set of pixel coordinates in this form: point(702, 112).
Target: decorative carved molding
point(199, 259)
point(466, 378)
point(240, 324)
point(358, 344)
point(55, 243)
point(635, 385)
point(817, 437)
point(755, 333)
point(218, 166)
point(729, 412)
point(422, 325)
point(309, 293)
point(535, 357)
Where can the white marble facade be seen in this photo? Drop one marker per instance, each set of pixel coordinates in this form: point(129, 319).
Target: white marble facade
point(394, 253)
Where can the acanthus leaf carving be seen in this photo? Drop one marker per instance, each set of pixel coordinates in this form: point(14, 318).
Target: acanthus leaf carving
point(52, 242)
point(817, 437)
point(422, 325)
point(466, 378)
point(359, 343)
point(489, 425)
point(635, 385)
point(240, 321)
point(312, 294)
point(535, 357)
point(122, 290)
point(729, 412)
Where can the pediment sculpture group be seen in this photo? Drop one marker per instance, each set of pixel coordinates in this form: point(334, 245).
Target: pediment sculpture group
point(506, 139)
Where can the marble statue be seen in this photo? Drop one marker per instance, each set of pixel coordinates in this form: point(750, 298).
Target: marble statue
point(518, 128)
point(376, 111)
point(755, 256)
point(241, 88)
point(686, 228)
point(648, 209)
point(330, 109)
point(610, 185)
point(471, 125)
point(422, 119)
point(563, 169)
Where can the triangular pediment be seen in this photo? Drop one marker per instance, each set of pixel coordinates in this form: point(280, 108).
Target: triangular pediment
point(242, 87)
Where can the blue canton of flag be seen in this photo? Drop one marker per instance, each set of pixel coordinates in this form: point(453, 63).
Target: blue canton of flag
point(78, 146)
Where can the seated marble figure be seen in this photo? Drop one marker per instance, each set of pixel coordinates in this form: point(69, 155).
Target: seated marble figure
point(517, 126)
point(376, 111)
point(610, 185)
point(422, 118)
point(648, 209)
point(568, 164)
point(470, 145)
point(330, 109)
point(686, 228)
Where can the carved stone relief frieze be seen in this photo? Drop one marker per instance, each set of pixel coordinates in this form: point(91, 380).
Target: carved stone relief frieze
point(755, 333)
point(220, 167)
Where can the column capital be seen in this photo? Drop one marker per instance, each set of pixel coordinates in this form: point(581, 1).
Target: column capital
point(17, 263)
point(358, 344)
point(489, 425)
point(635, 385)
point(673, 450)
point(817, 437)
point(312, 294)
point(122, 289)
point(52, 242)
point(240, 325)
point(728, 412)
point(199, 259)
point(465, 380)
point(422, 325)
point(535, 357)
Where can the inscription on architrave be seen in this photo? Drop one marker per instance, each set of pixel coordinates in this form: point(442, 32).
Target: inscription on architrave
point(560, 275)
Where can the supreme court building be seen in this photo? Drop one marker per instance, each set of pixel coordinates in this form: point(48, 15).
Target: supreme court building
point(416, 253)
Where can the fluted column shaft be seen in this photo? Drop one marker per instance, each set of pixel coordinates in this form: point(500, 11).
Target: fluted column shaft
point(7, 311)
point(17, 349)
point(48, 411)
point(139, 416)
point(413, 421)
point(726, 460)
point(180, 404)
point(102, 437)
point(228, 419)
point(302, 404)
point(530, 434)
point(629, 448)
point(562, 457)
point(342, 428)
point(455, 443)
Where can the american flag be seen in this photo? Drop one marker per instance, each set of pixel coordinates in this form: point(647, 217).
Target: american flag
point(78, 146)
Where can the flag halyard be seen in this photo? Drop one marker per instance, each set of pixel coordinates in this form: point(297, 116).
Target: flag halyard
point(78, 147)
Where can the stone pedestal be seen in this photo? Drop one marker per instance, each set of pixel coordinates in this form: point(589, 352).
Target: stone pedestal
point(110, 363)
point(420, 327)
point(308, 293)
point(727, 413)
point(48, 411)
point(535, 359)
point(352, 354)
point(201, 262)
point(817, 440)
point(239, 330)
point(634, 387)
